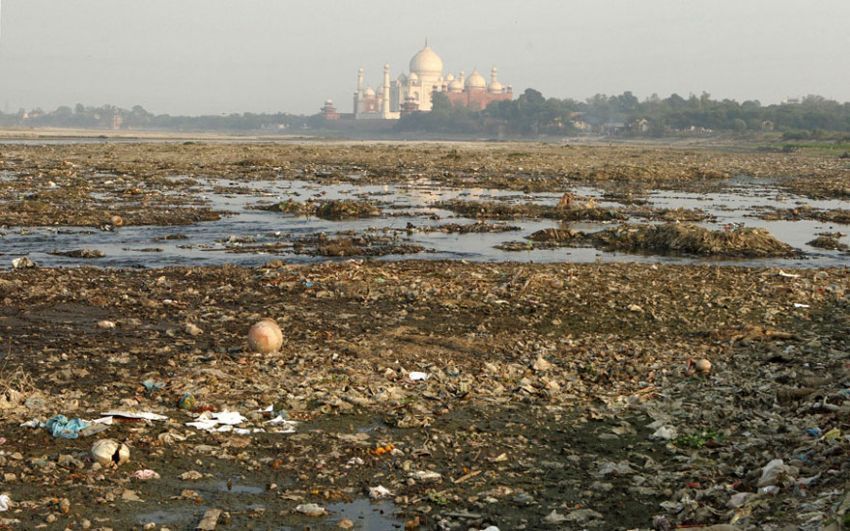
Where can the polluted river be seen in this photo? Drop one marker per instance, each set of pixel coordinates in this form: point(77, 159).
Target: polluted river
point(217, 335)
point(411, 222)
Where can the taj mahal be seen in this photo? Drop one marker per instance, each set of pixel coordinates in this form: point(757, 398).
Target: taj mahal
point(412, 92)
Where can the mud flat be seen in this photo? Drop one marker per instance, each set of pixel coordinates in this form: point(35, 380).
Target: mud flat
point(476, 394)
point(427, 379)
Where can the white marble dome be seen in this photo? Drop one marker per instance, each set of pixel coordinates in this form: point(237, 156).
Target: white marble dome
point(475, 81)
point(426, 62)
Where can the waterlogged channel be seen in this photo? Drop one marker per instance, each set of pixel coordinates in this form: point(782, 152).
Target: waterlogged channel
point(247, 235)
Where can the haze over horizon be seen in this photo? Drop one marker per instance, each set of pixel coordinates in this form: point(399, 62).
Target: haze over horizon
point(216, 56)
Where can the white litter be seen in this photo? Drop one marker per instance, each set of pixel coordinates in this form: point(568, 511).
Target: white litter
point(379, 492)
point(788, 275)
point(5, 502)
point(287, 426)
point(799, 305)
point(221, 421)
point(418, 376)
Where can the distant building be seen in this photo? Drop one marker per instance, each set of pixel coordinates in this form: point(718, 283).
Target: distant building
point(639, 126)
point(329, 112)
point(117, 120)
point(412, 92)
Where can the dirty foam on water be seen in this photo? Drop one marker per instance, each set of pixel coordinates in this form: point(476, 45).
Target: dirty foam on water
point(219, 242)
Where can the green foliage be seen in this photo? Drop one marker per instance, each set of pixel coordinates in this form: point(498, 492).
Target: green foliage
point(138, 118)
point(696, 440)
point(531, 114)
point(813, 118)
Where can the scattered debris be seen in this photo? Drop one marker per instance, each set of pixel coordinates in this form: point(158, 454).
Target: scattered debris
point(265, 337)
point(110, 453)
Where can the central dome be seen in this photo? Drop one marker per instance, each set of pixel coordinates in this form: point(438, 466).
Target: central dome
point(426, 62)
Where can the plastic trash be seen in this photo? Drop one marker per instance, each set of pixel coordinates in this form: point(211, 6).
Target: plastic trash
point(62, 427)
point(286, 425)
point(379, 492)
point(664, 433)
point(831, 435)
point(145, 475)
point(110, 453)
point(5, 502)
point(23, 263)
point(311, 509)
point(265, 337)
point(554, 518)
point(814, 432)
point(152, 386)
point(217, 421)
point(774, 472)
point(135, 415)
point(416, 376)
point(187, 402)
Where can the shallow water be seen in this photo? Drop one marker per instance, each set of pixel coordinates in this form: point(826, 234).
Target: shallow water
point(207, 243)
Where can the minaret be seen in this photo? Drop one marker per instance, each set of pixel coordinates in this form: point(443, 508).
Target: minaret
point(494, 72)
point(385, 98)
point(358, 94)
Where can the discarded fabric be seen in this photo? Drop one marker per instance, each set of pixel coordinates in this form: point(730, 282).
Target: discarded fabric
point(61, 427)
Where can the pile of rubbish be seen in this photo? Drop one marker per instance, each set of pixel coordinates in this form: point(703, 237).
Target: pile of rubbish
point(830, 241)
point(353, 245)
point(332, 210)
point(836, 215)
point(688, 239)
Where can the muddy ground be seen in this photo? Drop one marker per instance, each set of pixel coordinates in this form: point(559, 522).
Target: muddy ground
point(557, 396)
point(87, 184)
point(523, 396)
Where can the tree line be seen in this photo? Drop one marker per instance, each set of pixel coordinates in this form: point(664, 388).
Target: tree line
point(529, 115)
point(532, 114)
point(112, 117)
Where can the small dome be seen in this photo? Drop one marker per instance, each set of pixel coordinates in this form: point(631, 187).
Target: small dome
point(370, 92)
point(456, 86)
point(450, 78)
point(475, 81)
point(426, 62)
point(496, 87)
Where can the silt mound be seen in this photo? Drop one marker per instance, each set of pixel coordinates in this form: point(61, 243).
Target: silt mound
point(685, 238)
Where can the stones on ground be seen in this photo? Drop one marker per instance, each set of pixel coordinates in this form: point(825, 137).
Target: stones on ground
point(193, 329)
point(541, 364)
point(702, 366)
point(209, 521)
point(191, 475)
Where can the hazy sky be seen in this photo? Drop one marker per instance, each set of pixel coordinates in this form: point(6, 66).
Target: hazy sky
point(215, 56)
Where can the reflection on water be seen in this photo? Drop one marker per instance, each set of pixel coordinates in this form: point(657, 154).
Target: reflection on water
point(206, 243)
